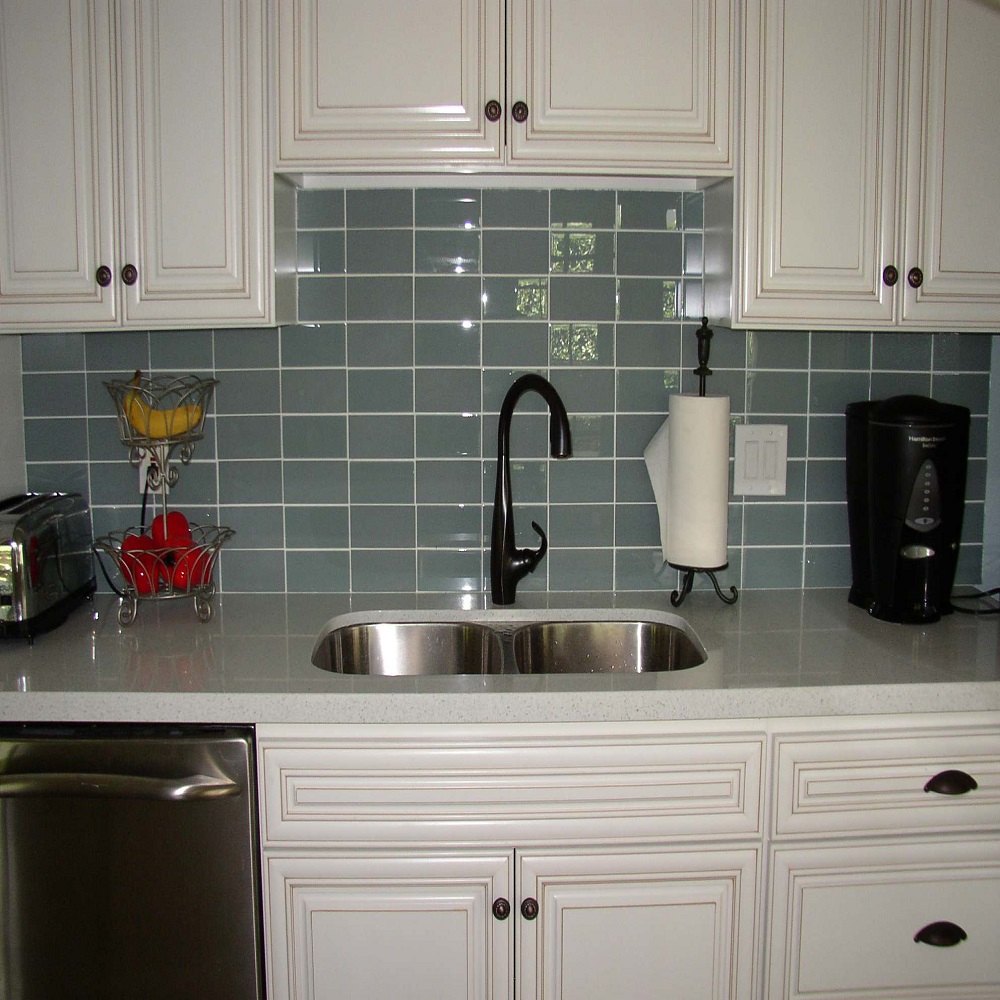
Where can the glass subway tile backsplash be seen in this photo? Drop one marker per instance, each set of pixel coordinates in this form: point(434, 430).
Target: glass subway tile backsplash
point(356, 449)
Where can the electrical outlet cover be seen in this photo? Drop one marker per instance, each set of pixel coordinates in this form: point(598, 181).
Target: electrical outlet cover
point(761, 457)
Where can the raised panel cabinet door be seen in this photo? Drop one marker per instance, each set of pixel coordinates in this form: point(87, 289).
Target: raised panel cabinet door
point(364, 82)
point(415, 926)
point(57, 195)
point(638, 84)
point(817, 222)
point(953, 169)
point(643, 924)
point(195, 197)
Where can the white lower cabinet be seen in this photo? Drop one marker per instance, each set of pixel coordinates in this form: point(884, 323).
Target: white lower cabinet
point(501, 862)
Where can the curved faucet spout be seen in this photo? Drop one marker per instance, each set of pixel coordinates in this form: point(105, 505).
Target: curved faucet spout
point(508, 564)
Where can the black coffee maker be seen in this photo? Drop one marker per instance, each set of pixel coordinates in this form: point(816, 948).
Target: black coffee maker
point(906, 467)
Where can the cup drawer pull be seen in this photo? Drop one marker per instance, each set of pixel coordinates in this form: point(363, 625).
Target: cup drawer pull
point(941, 934)
point(951, 783)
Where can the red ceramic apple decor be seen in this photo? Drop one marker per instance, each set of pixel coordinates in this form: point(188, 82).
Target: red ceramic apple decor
point(139, 563)
point(171, 531)
point(191, 569)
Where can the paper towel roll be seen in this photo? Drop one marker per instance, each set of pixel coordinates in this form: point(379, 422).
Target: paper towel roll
point(688, 464)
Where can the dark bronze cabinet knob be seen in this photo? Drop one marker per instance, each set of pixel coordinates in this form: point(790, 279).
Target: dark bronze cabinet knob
point(951, 783)
point(103, 276)
point(890, 275)
point(915, 277)
point(129, 274)
point(501, 908)
point(941, 934)
point(493, 111)
point(529, 908)
point(519, 111)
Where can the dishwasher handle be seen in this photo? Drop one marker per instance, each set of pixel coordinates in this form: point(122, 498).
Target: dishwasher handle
point(116, 786)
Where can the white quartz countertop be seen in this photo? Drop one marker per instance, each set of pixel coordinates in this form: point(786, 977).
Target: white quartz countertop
point(774, 653)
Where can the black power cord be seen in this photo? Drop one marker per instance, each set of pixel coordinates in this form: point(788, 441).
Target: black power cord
point(976, 595)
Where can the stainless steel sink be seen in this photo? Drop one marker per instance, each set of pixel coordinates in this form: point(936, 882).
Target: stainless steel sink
point(507, 641)
point(619, 647)
point(399, 649)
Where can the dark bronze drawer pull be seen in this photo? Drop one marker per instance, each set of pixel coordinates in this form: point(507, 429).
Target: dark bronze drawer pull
point(501, 908)
point(951, 783)
point(529, 908)
point(941, 934)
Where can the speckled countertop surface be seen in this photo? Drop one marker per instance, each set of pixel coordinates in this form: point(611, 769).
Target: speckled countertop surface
point(775, 653)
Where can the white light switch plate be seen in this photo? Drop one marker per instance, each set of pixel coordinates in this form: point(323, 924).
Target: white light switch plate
point(761, 457)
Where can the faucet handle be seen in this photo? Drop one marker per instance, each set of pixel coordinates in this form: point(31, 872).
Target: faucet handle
point(533, 558)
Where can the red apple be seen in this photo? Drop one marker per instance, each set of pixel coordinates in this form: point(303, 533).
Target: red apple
point(139, 564)
point(192, 568)
point(171, 531)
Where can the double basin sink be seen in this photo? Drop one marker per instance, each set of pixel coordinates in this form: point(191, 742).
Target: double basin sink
point(407, 644)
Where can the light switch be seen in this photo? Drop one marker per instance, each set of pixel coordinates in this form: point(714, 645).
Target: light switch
point(761, 455)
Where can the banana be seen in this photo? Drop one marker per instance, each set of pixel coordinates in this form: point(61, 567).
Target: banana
point(158, 425)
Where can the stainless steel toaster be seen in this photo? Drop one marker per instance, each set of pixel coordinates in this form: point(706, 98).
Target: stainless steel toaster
point(46, 561)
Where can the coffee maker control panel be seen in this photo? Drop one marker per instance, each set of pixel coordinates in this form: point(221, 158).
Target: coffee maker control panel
point(923, 513)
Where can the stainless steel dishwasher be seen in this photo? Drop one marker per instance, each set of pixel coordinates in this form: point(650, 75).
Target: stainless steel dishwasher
point(128, 863)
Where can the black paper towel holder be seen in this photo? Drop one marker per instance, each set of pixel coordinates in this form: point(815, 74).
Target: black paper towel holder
point(704, 335)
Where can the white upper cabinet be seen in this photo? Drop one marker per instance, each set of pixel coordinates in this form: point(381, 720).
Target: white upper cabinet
point(870, 179)
point(642, 86)
point(133, 185)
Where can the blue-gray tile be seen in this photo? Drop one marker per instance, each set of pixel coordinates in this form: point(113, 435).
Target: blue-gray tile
point(642, 569)
point(449, 572)
point(66, 477)
point(728, 347)
point(448, 435)
point(376, 435)
point(380, 345)
point(249, 482)
point(379, 251)
point(572, 209)
point(840, 351)
point(632, 481)
point(182, 351)
point(581, 569)
point(319, 345)
point(55, 352)
point(196, 487)
point(654, 345)
point(447, 297)
point(900, 351)
point(971, 391)
point(887, 384)
point(446, 251)
point(252, 571)
point(250, 392)
point(826, 524)
point(827, 566)
point(772, 568)
point(454, 343)
point(315, 481)
point(118, 351)
point(777, 349)
point(56, 439)
point(314, 436)
point(383, 526)
point(830, 392)
point(321, 252)
point(650, 254)
point(322, 299)
point(256, 527)
point(513, 208)
point(379, 298)
point(449, 481)
point(656, 210)
point(318, 572)
point(383, 570)
point(648, 299)
point(637, 525)
point(249, 436)
point(963, 352)
point(582, 253)
point(827, 480)
point(515, 298)
point(577, 298)
point(54, 395)
point(773, 524)
point(320, 209)
point(593, 434)
point(380, 390)
point(582, 525)
point(515, 345)
point(246, 349)
point(447, 390)
point(515, 251)
point(775, 392)
point(646, 390)
point(313, 390)
point(447, 208)
point(581, 344)
point(381, 208)
point(381, 482)
point(450, 526)
point(633, 431)
point(582, 481)
point(586, 390)
point(827, 437)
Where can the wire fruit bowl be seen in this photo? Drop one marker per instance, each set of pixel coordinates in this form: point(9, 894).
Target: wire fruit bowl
point(167, 573)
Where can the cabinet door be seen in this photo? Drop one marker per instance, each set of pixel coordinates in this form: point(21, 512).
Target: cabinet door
point(418, 926)
point(375, 81)
point(193, 161)
point(638, 85)
point(818, 207)
point(953, 172)
point(847, 921)
point(57, 207)
point(641, 924)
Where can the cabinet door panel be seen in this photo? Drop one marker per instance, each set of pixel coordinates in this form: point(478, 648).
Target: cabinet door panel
point(637, 84)
point(192, 87)
point(953, 178)
point(57, 214)
point(844, 921)
point(643, 924)
point(418, 926)
point(820, 163)
point(375, 80)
